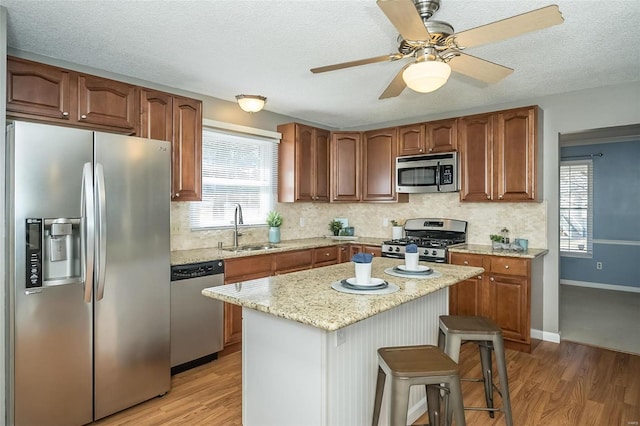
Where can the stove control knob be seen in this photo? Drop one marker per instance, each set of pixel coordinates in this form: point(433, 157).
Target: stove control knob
point(390, 249)
point(397, 249)
point(433, 253)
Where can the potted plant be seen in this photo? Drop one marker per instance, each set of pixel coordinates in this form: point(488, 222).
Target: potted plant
point(396, 230)
point(496, 241)
point(335, 226)
point(274, 220)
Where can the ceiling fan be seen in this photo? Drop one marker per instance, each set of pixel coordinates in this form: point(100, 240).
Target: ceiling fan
point(437, 50)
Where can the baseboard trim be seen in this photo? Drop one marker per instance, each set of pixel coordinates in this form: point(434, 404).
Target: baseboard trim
point(601, 286)
point(417, 410)
point(546, 336)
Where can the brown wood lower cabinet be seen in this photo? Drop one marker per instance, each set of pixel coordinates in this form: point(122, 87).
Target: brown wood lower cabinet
point(375, 251)
point(265, 265)
point(502, 293)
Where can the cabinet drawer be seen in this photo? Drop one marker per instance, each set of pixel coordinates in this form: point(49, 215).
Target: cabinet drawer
point(509, 266)
point(466, 259)
point(247, 268)
point(325, 255)
point(292, 261)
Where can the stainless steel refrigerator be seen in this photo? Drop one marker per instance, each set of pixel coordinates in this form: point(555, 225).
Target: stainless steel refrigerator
point(89, 270)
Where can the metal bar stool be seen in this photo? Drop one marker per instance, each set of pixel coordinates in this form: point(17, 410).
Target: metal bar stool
point(455, 330)
point(418, 365)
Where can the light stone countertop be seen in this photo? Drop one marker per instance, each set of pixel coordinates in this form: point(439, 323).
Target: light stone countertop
point(307, 296)
point(183, 257)
point(531, 253)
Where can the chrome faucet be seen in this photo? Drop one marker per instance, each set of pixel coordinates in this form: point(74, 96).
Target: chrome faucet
point(237, 219)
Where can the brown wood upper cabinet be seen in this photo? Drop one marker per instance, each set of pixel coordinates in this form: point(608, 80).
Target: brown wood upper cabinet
point(179, 120)
point(46, 93)
point(431, 137)
point(499, 156)
point(303, 150)
point(379, 151)
point(345, 166)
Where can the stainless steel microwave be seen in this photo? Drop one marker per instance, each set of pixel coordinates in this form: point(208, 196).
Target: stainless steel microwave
point(427, 173)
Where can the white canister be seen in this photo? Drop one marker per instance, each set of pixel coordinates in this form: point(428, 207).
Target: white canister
point(411, 261)
point(396, 232)
point(363, 273)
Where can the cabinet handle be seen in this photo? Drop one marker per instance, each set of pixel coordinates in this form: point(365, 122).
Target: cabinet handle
point(491, 279)
point(479, 277)
point(506, 266)
point(488, 197)
point(430, 149)
point(420, 150)
point(177, 194)
point(466, 262)
point(500, 197)
point(83, 116)
point(326, 254)
point(65, 114)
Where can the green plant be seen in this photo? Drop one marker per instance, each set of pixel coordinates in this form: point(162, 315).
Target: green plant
point(496, 238)
point(274, 219)
point(395, 223)
point(335, 226)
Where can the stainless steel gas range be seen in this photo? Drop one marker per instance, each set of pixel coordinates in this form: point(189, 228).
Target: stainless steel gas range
point(432, 236)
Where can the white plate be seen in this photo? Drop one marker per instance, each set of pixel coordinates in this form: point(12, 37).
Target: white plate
point(374, 282)
point(421, 268)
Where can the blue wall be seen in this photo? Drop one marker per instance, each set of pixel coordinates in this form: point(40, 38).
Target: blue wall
point(616, 216)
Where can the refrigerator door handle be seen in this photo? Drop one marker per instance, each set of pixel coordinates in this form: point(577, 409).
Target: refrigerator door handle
point(87, 233)
point(101, 223)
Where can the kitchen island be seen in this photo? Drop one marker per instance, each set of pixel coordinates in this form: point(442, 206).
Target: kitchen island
point(309, 351)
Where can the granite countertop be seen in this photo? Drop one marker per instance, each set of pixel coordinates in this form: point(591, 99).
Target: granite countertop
point(307, 296)
point(183, 257)
point(530, 253)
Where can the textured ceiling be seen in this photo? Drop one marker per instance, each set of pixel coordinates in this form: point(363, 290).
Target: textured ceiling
point(224, 48)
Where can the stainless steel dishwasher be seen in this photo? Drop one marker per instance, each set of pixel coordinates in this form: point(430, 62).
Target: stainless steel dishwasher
point(196, 320)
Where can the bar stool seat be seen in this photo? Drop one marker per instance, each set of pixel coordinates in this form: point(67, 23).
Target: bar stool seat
point(407, 366)
point(456, 330)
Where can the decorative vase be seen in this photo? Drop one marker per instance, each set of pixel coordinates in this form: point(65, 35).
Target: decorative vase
point(274, 234)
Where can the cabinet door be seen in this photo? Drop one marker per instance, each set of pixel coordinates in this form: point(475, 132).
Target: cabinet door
point(186, 150)
point(465, 298)
point(321, 165)
point(354, 249)
point(510, 308)
point(345, 166)
point(106, 102)
point(37, 89)
point(304, 163)
point(378, 165)
point(232, 324)
point(475, 140)
point(375, 251)
point(411, 139)
point(442, 135)
point(468, 297)
point(344, 255)
point(156, 115)
point(515, 155)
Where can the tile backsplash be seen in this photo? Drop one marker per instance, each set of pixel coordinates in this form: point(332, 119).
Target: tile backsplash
point(524, 220)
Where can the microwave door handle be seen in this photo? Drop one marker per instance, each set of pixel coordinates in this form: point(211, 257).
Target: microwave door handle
point(438, 176)
point(87, 233)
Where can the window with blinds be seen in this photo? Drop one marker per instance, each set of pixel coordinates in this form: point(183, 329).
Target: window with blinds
point(236, 169)
point(576, 208)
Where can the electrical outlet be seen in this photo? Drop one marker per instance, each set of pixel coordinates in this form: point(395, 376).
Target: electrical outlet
point(598, 265)
point(385, 222)
point(301, 221)
point(340, 337)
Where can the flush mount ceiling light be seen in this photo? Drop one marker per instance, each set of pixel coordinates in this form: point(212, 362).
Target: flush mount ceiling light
point(251, 103)
point(426, 76)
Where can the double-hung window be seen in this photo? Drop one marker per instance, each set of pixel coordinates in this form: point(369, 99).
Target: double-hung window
point(236, 169)
point(576, 208)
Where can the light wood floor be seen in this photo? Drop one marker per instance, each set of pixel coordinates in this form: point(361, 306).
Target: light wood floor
point(557, 385)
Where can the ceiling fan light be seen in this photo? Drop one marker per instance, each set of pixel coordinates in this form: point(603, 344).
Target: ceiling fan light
point(426, 76)
point(251, 103)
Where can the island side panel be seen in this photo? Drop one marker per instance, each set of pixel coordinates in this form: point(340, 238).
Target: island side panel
point(283, 371)
point(297, 374)
point(353, 365)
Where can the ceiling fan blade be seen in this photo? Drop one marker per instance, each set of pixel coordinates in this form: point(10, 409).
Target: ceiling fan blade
point(390, 57)
point(511, 27)
point(404, 16)
point(479, 69)
point(396, 86)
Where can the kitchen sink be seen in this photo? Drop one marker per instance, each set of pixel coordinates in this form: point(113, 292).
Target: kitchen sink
point(251, 248)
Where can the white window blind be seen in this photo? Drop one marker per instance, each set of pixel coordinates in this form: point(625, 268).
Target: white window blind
point(238, 169)
point(576, 208)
